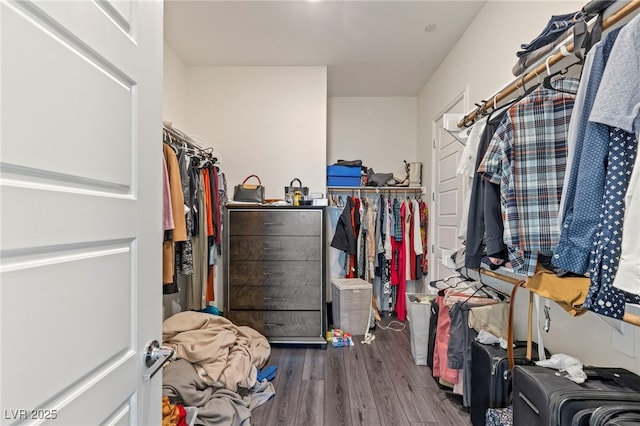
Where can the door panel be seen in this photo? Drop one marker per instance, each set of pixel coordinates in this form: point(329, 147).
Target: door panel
point(55, 69)
point(447, 191)
point(80, 225)
point(448, 203)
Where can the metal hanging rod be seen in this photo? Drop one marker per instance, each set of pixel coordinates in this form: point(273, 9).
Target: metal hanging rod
point(541, 69)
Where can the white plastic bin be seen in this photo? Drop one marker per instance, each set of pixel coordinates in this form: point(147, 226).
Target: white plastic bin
point(419, 315)
point(351, 302)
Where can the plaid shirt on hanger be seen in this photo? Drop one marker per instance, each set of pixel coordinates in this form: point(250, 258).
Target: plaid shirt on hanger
point(527, 158)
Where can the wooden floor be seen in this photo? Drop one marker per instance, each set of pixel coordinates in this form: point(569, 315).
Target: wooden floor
point(376, 384)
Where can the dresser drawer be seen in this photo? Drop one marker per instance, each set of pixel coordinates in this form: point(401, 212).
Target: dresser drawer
point(275, 222)
point(280, 323)
point(275, 297)
point(306, 273)
point(274, 248)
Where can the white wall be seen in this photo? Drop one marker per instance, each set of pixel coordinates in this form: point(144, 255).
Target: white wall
point(481, 62)
point(380, 131)
point(174, 86)
point(269, 121)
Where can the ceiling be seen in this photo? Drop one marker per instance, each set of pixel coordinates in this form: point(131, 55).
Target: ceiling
point(370, 47)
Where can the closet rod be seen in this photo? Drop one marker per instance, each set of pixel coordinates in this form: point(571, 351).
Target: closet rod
point(190, 143)
point(411, 189)
point(542, 68)
point(628, 317)
point(181, 137)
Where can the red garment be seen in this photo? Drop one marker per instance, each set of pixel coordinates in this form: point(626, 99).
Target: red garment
point(401, 303)
point(207, 202)
point(182, 417)
point(440, 357)
point(210, 296)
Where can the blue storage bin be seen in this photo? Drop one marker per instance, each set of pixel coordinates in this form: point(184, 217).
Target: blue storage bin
point(346, 171)
point(343, 181)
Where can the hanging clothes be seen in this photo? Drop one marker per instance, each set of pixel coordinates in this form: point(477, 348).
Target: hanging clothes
point(179, 232)
point(603, 298)
point(476, 220)
point(616, 105)
point(467, 168)
point(403, 266)
point(187, 254)
point(424, 226)
point(416, 241)
point(527, 158)
point(586, 184)
point(345, 236)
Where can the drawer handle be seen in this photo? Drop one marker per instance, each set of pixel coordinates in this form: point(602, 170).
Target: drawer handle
point(272, 248)
point(275, 298)
point(273, 324)
point(268, 274)
point(274, 223)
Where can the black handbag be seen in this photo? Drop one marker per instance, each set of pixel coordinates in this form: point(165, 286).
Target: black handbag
point(249, 193)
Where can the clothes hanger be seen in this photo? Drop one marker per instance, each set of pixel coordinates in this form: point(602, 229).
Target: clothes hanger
point(547, 83)
point(523, 95)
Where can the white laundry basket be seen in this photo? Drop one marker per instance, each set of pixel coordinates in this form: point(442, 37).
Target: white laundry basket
point(419, 316)
point(351, 300)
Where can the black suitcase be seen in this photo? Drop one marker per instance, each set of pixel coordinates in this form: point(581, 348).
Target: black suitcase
point(543, 397)
point(491, 376)
point(616, 414)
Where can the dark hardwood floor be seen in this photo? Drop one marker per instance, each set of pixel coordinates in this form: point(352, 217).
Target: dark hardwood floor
point(376, 384)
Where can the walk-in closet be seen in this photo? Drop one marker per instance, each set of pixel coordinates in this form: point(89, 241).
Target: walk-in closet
point(353, 212)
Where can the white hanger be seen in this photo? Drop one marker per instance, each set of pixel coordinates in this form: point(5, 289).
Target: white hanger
point(537, 76)
point(495, 101)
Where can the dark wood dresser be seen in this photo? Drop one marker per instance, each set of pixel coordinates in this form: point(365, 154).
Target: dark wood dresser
point(274, 271)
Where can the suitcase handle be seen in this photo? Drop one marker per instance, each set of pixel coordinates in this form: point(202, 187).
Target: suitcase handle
point(529, 403)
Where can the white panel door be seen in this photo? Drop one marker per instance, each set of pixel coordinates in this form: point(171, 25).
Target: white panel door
point(447, 193)
point(80, 221)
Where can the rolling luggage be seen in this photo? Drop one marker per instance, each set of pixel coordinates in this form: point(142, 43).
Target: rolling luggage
point(616, 414)
point(543, 397)
point(491, 377)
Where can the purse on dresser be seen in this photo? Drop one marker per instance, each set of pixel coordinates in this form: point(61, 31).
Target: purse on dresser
point(249, 193)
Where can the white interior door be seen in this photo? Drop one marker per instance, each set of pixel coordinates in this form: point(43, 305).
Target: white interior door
point(80, 211)
point(447, 192)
